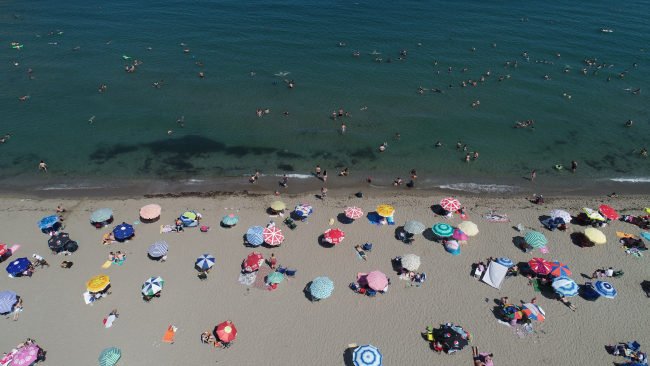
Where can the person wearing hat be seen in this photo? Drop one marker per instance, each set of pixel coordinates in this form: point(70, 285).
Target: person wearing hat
point(39, 261)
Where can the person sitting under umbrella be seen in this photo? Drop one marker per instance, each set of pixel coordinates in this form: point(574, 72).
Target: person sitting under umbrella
point(179, 225)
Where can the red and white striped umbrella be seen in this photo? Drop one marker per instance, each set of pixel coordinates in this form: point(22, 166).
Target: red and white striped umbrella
point(334, 236)
point(450, 204)
point(353, 212)
point(273, 235)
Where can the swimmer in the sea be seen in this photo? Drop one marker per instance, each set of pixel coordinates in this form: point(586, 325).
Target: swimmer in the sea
point(629, 123)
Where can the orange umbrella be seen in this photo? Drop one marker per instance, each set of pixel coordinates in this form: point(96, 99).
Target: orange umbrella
point(150, 212)
point(226, 331)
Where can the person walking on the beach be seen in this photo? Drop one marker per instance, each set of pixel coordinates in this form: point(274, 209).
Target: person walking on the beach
point(317, 171)
point(323, 193)
point(532, 176)
point(273, 261)
point(42, 166)
point(17, 308)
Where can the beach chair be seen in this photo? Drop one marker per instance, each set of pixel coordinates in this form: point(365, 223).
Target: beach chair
point(367, 247)
point(290, 273)
point(203, 276)
point(479, 271)
point(354, 287)
point(290, 223)
point(371, 293)
point(281, 270)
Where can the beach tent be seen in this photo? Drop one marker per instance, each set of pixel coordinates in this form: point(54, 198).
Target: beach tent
point(494, 274)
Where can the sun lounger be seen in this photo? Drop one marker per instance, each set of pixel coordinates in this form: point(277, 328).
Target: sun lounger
point(169, 334)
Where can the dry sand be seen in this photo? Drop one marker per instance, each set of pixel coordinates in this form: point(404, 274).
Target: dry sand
point(282, 327)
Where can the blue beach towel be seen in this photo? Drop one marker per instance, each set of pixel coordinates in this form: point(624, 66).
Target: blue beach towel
point(360, 257)
point(374, 219)
point(390, 220)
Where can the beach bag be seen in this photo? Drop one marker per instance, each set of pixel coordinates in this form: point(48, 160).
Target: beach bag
point(204, 229)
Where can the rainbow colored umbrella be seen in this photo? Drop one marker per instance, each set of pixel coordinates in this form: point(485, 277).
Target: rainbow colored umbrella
point(304, 210)
point(513, 311)
point(559, 270)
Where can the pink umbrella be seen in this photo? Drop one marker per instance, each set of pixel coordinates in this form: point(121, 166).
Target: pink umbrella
point(26, 356)
point(377, 280)
point(450, 204)
point(334, 236)
point(273, 235)
point(353, 212)
point(460, 235)
point(150, 212)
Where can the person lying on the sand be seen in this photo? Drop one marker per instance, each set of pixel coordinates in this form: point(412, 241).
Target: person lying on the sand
point(108, 238)
point(361, 252)
point(478, 359)
point(566, 302)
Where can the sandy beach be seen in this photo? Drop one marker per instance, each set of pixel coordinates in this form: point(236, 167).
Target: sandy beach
point(283, 326)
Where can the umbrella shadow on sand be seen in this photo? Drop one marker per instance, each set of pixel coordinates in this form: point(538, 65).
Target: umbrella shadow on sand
point(429, 235)
point(307, 292)
point(438, 210)
point(343, 219)
point(323, 243)
point(398, 230)
point(348, 357)
point(544, 217)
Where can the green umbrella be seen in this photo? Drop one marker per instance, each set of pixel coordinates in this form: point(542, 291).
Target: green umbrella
point(535, 239)
point(110, 356)
point(414, 227)
point(230, 219)
point(275, 277)
point(101, 215)
point(321, 288)
point(442, 229)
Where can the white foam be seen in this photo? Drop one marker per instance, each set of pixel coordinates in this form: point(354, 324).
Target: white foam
point(299, 176)
point(480, 188)
point(631, 180)
point(195, 180)
point(65, 187)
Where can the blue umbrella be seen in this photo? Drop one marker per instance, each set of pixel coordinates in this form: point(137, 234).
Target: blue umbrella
point(17, 266)
point(605, 289)
point(123, 231)
point(158, 249)
point(321, 288)
point(505, 262)
point(565, 286)
point(205, 261)
point(254, 235)
point(48, 222)
point(7, 301)
point(367, 355)
point(304, 210)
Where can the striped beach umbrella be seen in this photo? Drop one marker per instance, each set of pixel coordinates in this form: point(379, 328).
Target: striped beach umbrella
point(205, 261)
point(158, 249)
point(7, 301)
point(594, 215)
point(605, 289)
point(513, 311)
point(367, 355)
point(26, 356)
point(443, 230)
point(559, 270)
point(452, 247)
point(377, 280)
point(468, 228)
point(152, 286)
point(505, 262)
point(353, 212)
point(275, 277)
point(414, 227)
point(385, 210)
point(48, 222)
point(411, 262)
point(150, 212)
point(450, 204)
point(535, 239)
point(561, 214)
point(321, 288)
point(230, 219)
point(272, 235)
point(253, 262)
point(540, 265)
point(254, 235)
point(304, 210)
point(101, 215)
point(334, 236)
point(565, 286)
point(109, 356)
point(534, 312)
point(595, 235)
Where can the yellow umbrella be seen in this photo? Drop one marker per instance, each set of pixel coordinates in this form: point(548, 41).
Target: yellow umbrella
point(385, 210)
point(468, 228)
point(98, 283)
point(595, 235)
point(593, 214)
point(278, 205)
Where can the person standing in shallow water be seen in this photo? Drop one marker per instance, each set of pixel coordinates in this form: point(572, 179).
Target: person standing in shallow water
point(574, 166)
point(532, 176)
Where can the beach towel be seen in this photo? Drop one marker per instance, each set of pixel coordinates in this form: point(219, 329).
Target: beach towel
point(107, 264)
point(88, 298)
point(497, 218)
point(259, 282)
point(358, 254)
point(462, 241)
point(645, 235)
point(109, 321)
point(374, 219)
point(624, 235)
point(166, 228)
point(542, 288)
point(247, 278)
point(519, 331)
point(489, 362)
point(14, 248)
point(390, 220)
point(463, 216)
point(169, 334)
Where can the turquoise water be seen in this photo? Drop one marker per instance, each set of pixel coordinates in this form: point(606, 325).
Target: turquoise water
point(223, 136)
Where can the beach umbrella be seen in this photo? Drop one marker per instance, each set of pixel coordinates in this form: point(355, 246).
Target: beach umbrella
point(226, 331)
point(595, 235)
point(540, 265)
point(468, 228)
point(278, 206)
point(18, 265)
point(534, 312)
point(559, 270)
point(450, 204)
point(101, 215)
point(158, 249)
point(58, 241)
point(304, 210)
point(25, 357)
point(460, 235)
point(334, 236)
point(188, 217)
point(109, 356)
point(505, 262)
point(275, 277)
point(565, 286)
point(3, 249)
point(443, 230)
point(367, 355)
point(454, 340)
point(353, 212)
point(608, 212)
point(452, 247)
point(150, 212)
point(414, 227)
point(272, 235)
point(205, 261)
point(513, 311)
point(48, 222)
point(377, 280)
point(593, 214)
point(605, 289)
point(411, 262)
point(123, 231)
point(561, 214)
point(535, 239)
point(152, 286)
point(253, 262)
point(254, 235)
point(385, 210)
point(7, 301)
point(230, 219)
point(98, 283)
point(321, 288)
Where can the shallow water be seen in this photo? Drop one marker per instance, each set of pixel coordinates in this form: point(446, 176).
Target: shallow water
point(223, 136)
